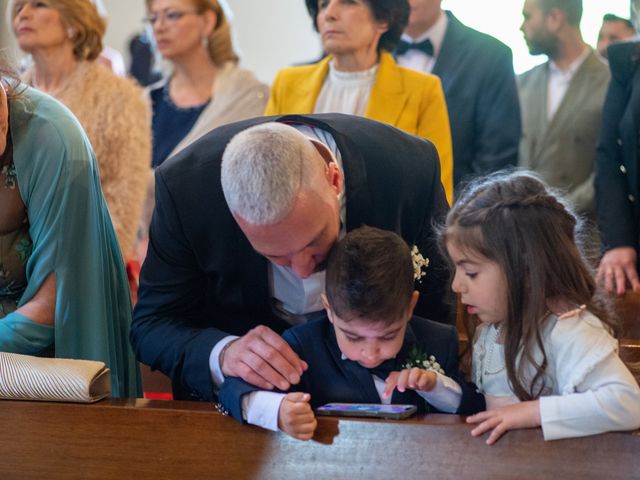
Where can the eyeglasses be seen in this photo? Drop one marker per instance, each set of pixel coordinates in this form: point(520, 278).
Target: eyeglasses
point(170, 16)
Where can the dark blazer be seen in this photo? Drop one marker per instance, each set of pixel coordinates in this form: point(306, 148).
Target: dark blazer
point(332, 379)
point(479, 85)
point(617, 172)
point(202, 280)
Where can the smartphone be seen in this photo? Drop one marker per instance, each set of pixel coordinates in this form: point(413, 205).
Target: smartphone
point(375, 410)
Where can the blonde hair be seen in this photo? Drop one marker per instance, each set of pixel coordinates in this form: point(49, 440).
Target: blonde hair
point(83, 22)
point(219, 43)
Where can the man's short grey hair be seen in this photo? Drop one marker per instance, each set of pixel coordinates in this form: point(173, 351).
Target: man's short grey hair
point(263, 170)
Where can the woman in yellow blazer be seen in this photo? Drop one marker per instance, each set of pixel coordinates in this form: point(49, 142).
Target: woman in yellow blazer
point(359, 76)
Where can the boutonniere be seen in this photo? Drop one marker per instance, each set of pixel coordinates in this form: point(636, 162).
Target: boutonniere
point(419, 359)
point(419, 263)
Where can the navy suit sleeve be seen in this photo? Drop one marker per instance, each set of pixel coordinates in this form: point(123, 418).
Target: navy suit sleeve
point(233, 388)
point(166, 331)
point(616, 220)
point(497, 115)
point(472, 401)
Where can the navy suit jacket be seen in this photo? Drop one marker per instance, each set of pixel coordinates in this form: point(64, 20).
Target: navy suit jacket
point(479, 85)
point(329, 378)
point(202, 280)
point(617, 171)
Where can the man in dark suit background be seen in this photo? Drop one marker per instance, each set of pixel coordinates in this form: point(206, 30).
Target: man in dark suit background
point(295, 184)
point(477, 76)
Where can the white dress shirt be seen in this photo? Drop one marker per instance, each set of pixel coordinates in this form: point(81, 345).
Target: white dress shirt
point(559, 81)
point(417, 60)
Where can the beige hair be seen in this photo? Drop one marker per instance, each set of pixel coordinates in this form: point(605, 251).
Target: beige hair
point(81, 20)
point(220, 45)
point(263, 170)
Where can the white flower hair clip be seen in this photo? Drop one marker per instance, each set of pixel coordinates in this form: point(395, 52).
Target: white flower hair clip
point(419, 263)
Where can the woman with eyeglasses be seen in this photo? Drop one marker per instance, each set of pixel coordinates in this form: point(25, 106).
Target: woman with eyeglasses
point(359, 76)
point(64, 38)
point(205, 88)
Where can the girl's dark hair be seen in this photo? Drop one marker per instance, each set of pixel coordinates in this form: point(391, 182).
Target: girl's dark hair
point(514, 220)
point(370, 276)
point(394, 12)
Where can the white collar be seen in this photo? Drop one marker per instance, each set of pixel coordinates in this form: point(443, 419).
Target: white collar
point(573, 66)
point(435, 33)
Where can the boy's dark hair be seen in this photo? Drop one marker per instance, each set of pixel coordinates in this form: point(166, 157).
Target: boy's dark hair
point(394, 12)
point(370, 276)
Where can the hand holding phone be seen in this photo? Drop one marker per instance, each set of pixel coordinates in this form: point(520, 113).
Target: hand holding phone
point(374, 410)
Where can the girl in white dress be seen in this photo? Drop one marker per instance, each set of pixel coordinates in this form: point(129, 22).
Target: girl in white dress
point(544, 350)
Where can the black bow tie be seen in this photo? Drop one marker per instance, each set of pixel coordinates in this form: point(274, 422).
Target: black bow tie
point(383, 370)
point(425, 47)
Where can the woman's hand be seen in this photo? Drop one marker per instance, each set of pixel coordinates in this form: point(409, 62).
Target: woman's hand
point(296, 417)
point(412, 378)
point(503, 419)
point(617, 270)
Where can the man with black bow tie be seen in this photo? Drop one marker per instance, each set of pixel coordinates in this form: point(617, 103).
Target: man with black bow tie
point(477, 76)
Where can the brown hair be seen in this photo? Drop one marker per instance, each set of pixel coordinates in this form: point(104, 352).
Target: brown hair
point(220, 45)
point(514, 220)
point(370, 276)
point(81, 19)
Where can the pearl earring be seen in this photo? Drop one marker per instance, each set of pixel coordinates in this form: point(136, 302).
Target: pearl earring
point(70, 33)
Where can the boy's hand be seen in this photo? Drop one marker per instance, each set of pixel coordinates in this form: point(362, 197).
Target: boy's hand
point(296, 417)
point(412, 378)
point(503, 419)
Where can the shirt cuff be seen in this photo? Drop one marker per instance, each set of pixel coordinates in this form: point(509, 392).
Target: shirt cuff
point(214, 365)
point(446, 395)
point(261, 408)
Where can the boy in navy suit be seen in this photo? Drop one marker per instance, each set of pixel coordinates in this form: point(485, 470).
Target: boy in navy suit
point(369, 348)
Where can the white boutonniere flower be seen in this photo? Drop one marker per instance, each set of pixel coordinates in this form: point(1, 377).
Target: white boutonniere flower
point(419, 263)
point(418, 359)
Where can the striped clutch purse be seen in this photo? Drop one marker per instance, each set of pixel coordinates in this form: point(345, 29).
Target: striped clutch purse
point(23, 377)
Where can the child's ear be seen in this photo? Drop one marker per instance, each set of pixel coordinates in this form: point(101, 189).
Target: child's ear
point(325, 304)
point(412, 304)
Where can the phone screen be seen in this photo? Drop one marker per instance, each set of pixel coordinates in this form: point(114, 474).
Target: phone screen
point(367, 410)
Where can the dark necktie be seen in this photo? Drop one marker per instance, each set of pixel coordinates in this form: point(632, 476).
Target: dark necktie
point(425, 47)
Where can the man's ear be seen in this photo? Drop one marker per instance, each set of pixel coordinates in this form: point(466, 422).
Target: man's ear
point(555, 19)
point(327, 307)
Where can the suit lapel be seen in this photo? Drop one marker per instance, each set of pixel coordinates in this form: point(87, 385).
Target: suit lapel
point(538, 112)
point(448, 57)
point(388, 96)
point(305, 92)
point(632, 167)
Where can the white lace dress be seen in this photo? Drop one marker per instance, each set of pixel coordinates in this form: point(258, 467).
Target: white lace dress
point(588, 389)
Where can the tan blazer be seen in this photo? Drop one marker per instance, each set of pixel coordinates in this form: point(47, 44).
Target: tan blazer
point(409, 100)
point(563, 149)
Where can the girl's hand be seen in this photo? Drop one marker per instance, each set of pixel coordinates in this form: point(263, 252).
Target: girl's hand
point(296, 417)
point(412, 378)
point(503, 419)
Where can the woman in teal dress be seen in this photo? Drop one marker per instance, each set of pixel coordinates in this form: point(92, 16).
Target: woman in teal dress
point(63, 288)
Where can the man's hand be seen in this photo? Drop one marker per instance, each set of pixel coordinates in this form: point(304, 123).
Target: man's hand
point(296, 417)
point(503, 419)
point(412, 378)
point(262, 358)
point(617, 270)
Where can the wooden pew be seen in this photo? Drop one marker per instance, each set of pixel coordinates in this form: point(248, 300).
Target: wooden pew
point(143, 439)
